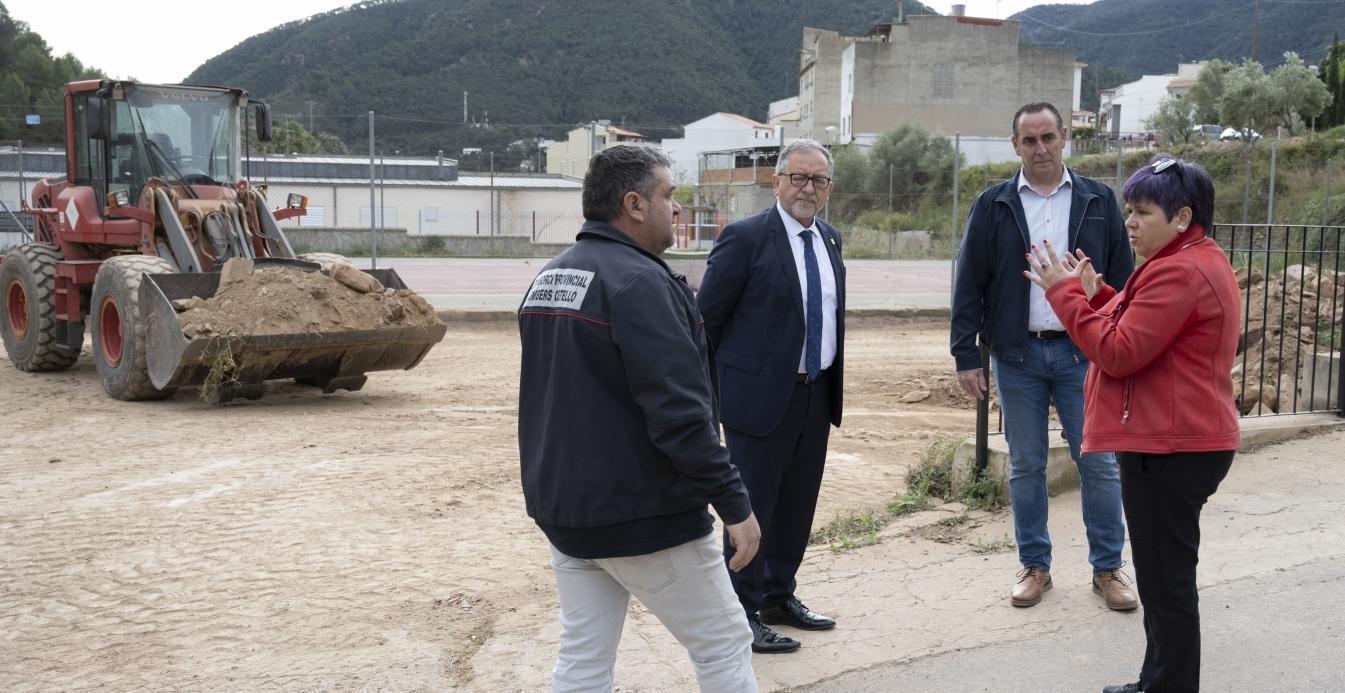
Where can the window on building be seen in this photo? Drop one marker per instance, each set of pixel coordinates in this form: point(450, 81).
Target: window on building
point(942, 87)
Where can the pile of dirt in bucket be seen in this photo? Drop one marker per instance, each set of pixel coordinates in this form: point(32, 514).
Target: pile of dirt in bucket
point(275, 300)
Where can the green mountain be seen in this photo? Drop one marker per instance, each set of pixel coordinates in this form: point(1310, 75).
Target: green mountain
point(32, 82)
point(650, 64)
point(1123, 39)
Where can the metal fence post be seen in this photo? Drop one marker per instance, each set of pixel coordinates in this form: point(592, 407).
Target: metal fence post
point(890, 169)
point(1326, 196)
point(373, 200)
point(1120, 168)
point(1270, 209)
point(983, 417)
point(1247, 181)
point(22, 195)
point(957, 179)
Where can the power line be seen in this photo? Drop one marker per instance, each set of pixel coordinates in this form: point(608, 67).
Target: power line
point(1134, 33)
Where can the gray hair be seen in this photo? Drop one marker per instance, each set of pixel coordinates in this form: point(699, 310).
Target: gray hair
point(802, 145)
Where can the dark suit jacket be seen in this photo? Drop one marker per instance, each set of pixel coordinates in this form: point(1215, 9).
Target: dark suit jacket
point(752, 303)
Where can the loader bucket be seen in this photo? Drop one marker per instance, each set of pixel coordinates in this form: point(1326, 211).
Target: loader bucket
point(330, 360)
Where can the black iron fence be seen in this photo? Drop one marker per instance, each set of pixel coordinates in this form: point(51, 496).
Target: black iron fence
point(1292, 279)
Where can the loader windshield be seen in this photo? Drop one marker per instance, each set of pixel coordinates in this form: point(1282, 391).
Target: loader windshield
point(180, 134)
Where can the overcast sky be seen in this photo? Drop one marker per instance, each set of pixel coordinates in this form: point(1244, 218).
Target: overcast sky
point(156, 41)
point(152, 40)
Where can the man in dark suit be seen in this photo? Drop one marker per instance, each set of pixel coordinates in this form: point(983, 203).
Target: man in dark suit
point(773, 300)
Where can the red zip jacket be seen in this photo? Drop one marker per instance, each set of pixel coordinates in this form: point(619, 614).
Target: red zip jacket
point(1162, 352)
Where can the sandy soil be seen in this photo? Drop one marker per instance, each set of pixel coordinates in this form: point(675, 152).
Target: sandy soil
point(370, 540)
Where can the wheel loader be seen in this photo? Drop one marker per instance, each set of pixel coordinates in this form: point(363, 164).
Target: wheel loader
point(152, 206)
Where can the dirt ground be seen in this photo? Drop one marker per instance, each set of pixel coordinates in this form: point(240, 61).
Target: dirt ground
point(371, 540)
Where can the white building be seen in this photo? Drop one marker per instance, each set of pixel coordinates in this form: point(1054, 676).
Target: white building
point(785, 114)
point(569, 157)
point(1123, 110)
point(423, 195)
point(713, 133)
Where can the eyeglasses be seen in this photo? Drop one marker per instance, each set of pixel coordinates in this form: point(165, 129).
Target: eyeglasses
point(799, 180)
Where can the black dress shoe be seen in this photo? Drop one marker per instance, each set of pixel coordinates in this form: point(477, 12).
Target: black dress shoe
point(768, 641)
point(792, 612)
point(1127, 688)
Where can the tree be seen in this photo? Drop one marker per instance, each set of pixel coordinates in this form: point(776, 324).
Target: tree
point(907, 163)
point(1298, 93)
point(1207, 90)
point(1255, 101)
point(1332, 73)
point(1174, 119)
point(291, 137)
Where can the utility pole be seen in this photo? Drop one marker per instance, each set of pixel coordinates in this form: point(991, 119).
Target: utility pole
point(310, 117)
point(1256, 29)
point(464, 107)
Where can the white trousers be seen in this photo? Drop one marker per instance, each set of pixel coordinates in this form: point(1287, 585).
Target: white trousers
point(686, 587)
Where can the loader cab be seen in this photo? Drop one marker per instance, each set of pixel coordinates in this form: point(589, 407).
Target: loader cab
point(126, 134)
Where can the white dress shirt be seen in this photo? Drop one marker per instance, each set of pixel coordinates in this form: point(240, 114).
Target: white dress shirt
point(793, 228)
point(1047, 220)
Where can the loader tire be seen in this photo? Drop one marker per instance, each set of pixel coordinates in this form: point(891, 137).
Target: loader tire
point(119, 328)
point(327, 260)
point(28, 309)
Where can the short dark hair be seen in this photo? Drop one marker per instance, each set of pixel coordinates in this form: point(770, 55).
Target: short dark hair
point(615, 171)
point(1037, 107)
point(1180, 184)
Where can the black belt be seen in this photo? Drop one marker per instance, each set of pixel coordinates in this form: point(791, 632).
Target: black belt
point(803, 377)
point(1048, 334)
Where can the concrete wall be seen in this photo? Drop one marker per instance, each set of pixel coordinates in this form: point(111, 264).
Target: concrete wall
point(398, 241)
point(949, 76)
point(819, 82)
point(549, 215)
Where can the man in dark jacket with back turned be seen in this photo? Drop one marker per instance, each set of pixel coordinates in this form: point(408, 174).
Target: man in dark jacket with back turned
point(618, 438)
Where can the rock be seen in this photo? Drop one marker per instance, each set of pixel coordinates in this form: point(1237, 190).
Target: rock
point(185, 304)
point(420, 304)
point(355, 279)
point(234, 270)
point(916, 396)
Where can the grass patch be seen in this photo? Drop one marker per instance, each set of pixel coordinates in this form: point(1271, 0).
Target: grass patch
point(983, 493)
point(928, 484)
point(1003, 544)
point(851, 530)
point(223, 372)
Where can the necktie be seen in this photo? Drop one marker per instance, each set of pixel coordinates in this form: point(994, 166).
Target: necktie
point(812, 347)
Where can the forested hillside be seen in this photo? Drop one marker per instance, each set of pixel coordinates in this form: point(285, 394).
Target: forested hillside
point(31, 82)
point(1123, 39)
point(646, 63)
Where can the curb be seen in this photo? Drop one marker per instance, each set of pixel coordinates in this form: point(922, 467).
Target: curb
point(855, 313)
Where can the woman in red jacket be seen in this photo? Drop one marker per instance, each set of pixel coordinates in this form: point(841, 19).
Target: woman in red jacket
point(1159, 393)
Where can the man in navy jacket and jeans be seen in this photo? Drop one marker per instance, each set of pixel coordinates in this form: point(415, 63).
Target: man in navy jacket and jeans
point(1035, 363)
point(618, 438)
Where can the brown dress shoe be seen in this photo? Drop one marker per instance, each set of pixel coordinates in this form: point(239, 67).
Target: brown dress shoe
point(1032, 581)
point(1115, 588)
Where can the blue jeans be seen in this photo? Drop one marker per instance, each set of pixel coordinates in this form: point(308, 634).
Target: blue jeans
point(1048, 370)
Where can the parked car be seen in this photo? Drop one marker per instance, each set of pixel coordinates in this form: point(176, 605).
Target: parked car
point(1234, 135)
point(1206, 132)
